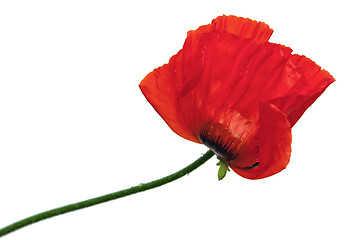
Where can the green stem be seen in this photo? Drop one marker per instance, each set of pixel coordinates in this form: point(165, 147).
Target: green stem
point(105, 198)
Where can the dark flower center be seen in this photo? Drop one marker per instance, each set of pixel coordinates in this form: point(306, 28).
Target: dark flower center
point(225, 145)
point(220, 140)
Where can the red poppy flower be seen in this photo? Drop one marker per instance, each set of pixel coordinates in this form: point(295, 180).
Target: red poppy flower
point(238, 94)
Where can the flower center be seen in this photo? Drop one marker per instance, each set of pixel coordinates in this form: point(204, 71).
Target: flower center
point(220, 140)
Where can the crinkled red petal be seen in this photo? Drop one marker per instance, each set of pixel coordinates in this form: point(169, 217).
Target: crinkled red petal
point(274, 144)
point(310, 81)
point(160, 89)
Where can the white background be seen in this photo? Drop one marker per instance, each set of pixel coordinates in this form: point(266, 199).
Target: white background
point(74, 125)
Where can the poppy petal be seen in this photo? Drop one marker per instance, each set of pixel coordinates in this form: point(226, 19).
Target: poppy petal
point(238, 26)
point(230, 73)
point(274, 144)
point(159, 88)
point(312, 81)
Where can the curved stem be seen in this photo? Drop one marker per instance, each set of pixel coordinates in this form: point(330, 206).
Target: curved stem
point(105, 198)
